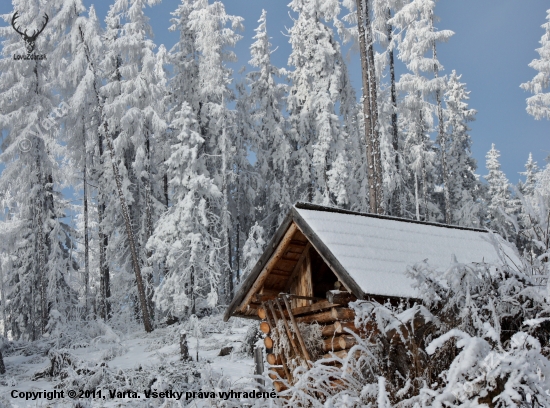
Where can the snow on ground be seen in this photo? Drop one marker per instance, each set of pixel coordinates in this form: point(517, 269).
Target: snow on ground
point(134, 361)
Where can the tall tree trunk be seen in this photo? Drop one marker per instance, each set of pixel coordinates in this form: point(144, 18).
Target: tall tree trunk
point(443, 143)
point(149, 226)
point(41, 252)
point(129, 232)
point(86, 238)
point(2, 366)
point(104, 278)
point(192, 290)
point(396, 207)
point(165, 188)
point(373, 92)
point(104, 282)
point(425, 190)
point(3, 294)
point(416, 199)
point(371, 172)
point(226, 221)
point(424, 171)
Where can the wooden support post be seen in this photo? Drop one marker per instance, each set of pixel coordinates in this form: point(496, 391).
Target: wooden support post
point(275, 318)
point(297, 267)
point(297, 330)
point(289, 333)
point(266, 317)
point(259, 364)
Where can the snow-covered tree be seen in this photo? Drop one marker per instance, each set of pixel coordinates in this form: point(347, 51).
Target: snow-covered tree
point(183, 237)
point(253, 248)
point(527, 187)
point(319, 83)
point(269, 137)
point(133, 117)
point(417, 50)
point(462, 184)
point(206, 34)
point(538, 105)
point(33, 174)
point(498, 193)
point(81, 92)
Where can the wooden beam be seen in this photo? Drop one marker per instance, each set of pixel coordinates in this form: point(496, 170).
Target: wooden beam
point(279, 272)
point(236, 306)
point(287, 238)
point(338, 328)
point(316, 307)
point(303, 297)
point(340, 354)
point(329, 316)
point(297, 330)
point(287, 327)
point(296, 269)
point(332, 344)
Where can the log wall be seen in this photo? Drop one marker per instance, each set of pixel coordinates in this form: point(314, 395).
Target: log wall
point(336, 319)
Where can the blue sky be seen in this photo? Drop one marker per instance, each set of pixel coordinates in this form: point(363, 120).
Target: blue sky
point(494, 42)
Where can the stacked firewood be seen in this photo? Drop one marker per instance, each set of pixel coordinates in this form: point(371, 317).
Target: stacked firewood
point(331, 313)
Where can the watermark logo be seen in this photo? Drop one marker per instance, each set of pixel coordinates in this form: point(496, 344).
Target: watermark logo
point(30, 40)
point(25, 145)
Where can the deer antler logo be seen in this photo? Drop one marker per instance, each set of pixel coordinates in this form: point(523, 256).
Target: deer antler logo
point(29, 40)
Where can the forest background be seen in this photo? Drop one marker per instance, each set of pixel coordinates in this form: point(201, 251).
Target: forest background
point(143, 181)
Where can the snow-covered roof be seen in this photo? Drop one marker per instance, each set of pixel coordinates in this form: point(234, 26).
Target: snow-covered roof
point(368, 253)
point(375, 251)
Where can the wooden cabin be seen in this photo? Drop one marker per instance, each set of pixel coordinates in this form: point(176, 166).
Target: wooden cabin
point(322, 258)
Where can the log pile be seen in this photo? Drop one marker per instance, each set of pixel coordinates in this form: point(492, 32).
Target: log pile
point(332, 314)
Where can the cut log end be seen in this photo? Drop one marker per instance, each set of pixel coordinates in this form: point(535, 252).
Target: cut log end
point(340, 297)
point(261, 313)
point(264, 327)
point(273, 359)
point(268, 342)
point(346, 342)
point(279, 386)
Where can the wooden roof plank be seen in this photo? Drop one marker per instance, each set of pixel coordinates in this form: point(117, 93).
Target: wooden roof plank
point(258, 268)
point(273, 259)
